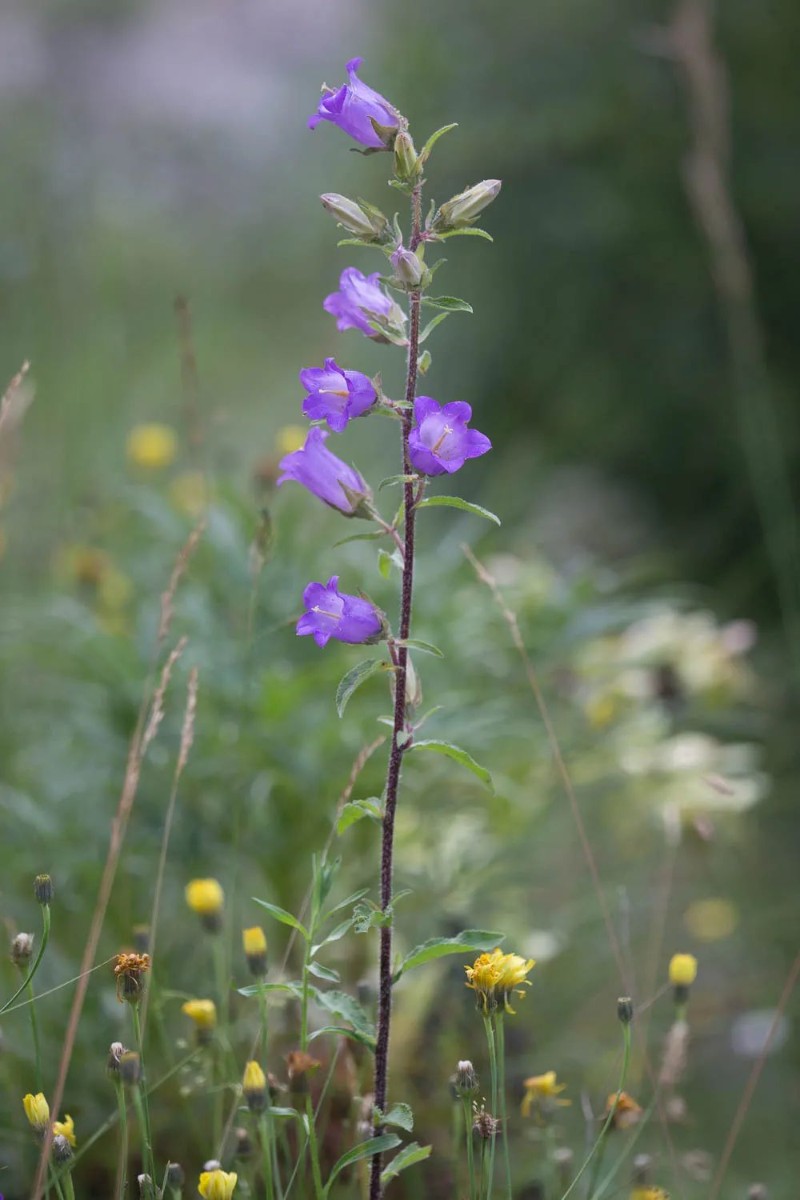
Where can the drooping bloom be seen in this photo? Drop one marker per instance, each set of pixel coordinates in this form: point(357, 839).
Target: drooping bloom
point(151, 446)
point(336, 395)
point(682, 970)
point(440, 442)
point(334, 614)
point(353, 107)
point(325, 475)
point(493, 977)
point(217, 1185)
point(542, 1094)
point(359, 297)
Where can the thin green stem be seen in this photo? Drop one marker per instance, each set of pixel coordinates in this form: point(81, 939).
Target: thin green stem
point(470, 1138)
point(313, 1148)
point(29, 978)
point(626, 1056)
point(56, 1180)
point(630, 1145)
point(501, 1071)
point(140, 1096)
point(488, 1024)
point(271, 1173)
point(69, 1190)
point(265, 1137)
point(37, 1049)
point(122, 1159)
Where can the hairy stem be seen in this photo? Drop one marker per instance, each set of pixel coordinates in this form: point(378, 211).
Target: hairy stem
point(399, 744)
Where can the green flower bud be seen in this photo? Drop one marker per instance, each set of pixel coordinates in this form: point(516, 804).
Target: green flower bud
point(406, 162)
point(461, 210)
point(625, 1009)
point(408, 267)
point(364, 220)
point(43, 889)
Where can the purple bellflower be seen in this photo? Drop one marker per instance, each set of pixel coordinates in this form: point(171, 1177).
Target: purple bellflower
point(334, 614)
point(359, 297)
point(440, 442)
point(336, 395)
point(325, 475)
point(353, 107)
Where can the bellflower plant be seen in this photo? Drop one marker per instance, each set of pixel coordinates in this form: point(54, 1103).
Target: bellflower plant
point(336, 395)
point(435, 439)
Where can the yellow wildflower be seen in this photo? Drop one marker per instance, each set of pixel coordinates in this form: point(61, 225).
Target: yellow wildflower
point(649, 1193)
point(217, 1185)
point(494, 976)
point(151, 446)
point(255, 949)
point(254, 1086)
point(202, 1012)
point(66, 1128)
point(205, 896)
point(682, 970)
point(542, 1091)
point(37, 1110)
point(290, 438)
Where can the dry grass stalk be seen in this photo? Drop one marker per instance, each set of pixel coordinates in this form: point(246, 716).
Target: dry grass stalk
point(676, 1055)
point(157, 706)
point(178, 571)
point(16, 398)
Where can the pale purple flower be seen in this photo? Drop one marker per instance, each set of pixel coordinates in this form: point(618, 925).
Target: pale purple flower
point(336, 395)
point(334, 614)
point(353, 107)
point(325, 475)
point(359, 297)
point(440, 442)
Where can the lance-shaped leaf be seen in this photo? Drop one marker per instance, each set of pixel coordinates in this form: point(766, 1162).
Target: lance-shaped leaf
point(282, 915)
point(413, 1153)
point(458, 755)
point(376, 1145)
point(469, 940)
point(477, 510)
point(447, 303)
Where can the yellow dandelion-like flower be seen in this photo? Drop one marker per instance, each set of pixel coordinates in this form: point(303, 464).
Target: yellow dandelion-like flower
point(217, 1185)
point(493, 977)
point(37, 1110)
point(202, 1012)
point(66, 1128)
point(254, 1078)
point(205, 896)
point(649, 1193)
point(290, 438)
point(151, 446)
point(682, 970)
point(542, 1091)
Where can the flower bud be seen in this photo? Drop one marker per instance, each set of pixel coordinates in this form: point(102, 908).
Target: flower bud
point(62, 1151)
point(176, 1176)
point(461, 210)
point(243, 1143)
point(206, 898)
point(682, 970)
point(204, 1015)
point(130, 1068)
point(22, 949)
point(364, 220)
point(406, 162)
point(625, 1009)
point(147, 1189)
point(299, 1066)
point(465, 1080)
point(254, 1086)
point(255, 950)
point(640, 1173)
point(43, 889)
point(408, 268)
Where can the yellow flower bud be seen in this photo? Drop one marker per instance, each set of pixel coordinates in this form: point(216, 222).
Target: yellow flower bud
point(202, 1012)
point(66, 1128)
point(217, 1185)
point(682, 970)
point(206, 898)
point(151, 446)
point(254, 1086)
point(255, 949)
point(37, 1110)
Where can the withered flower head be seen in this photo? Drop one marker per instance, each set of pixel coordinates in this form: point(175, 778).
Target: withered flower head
point(129, 969)
point(627, 1112)
point(22, 949)
point(299, 1066)
point(484, 1124)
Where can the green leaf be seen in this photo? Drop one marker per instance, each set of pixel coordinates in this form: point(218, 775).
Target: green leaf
point(370, 916)
point(354, 241)
point(347, 1008)
point(429, 328)
point(470, 939)
point(400, 1115)
point(393, 480)
point(425, 152)
point(253, 989)
point(326, 973)
point(361, 537)
point(356, 1035)
point(354, 678)
point(458, 755)
point(467, 231)
point(334, 935)
point(375, 1145)
point(348, 900)
point(456, 502)
point(275, 1111)
point(410, 1154)
point(285, 917)
point(423, 647)
point(356, 810)
point(447, 303)
point(385, 563)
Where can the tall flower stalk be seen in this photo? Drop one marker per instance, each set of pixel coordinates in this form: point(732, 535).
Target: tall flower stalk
point(435, 440)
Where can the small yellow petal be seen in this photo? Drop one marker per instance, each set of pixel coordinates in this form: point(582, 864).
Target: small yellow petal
point(217, 1185)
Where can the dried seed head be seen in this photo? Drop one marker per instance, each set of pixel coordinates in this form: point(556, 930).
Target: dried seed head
point(115, 1053)
point(62, 1151)
point(484, 1124)
point(465, 1080)
point(22, 949)
point(243, 1143)
point(129, 970)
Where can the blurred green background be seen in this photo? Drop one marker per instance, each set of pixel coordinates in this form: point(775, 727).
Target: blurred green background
point(640, 468)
